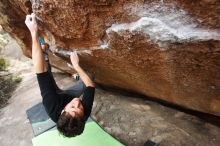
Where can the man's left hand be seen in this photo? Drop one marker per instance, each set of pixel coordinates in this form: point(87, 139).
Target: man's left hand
point(31, 23)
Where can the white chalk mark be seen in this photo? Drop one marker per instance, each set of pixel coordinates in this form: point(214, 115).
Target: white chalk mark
point(105, 45)
point(158, 31)
point(82, 51)
point(163, 24)
point(67, 53)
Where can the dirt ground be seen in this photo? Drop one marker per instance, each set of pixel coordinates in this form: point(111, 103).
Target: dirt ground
point(130, 119)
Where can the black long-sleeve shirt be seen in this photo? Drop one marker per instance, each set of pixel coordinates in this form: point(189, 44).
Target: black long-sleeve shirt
point(54, 103)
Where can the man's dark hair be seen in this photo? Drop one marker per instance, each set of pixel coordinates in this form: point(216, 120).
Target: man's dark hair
point(70, 126)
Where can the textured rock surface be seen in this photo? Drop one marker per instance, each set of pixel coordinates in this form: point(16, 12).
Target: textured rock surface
point(165, 49)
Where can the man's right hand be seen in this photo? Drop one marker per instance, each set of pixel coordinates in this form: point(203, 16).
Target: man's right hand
point(85, 78)
point(31, 23)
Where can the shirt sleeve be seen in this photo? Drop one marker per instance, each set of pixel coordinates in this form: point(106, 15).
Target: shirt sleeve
point(87, 101)
point(51, 100)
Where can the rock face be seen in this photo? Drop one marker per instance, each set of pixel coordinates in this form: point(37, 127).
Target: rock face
point(169, 49)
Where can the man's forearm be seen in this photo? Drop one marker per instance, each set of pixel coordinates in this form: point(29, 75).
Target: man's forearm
point(37, 54)
point(85, 78)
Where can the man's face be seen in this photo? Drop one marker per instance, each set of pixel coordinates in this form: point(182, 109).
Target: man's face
point(75, 108)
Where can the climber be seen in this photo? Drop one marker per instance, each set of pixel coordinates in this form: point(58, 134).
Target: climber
point(65, 108)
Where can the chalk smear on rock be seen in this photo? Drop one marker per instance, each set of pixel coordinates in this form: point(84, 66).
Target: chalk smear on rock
point(163, 24)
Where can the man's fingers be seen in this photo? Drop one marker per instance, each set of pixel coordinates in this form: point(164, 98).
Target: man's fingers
point(33, 16)
point(30, 18)
point(69, 65)
point(75, 53)
point(27, 18)
point(71, 54)
point(31, 22)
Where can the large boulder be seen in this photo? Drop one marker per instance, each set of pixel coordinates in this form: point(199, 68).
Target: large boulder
point(169, 49)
